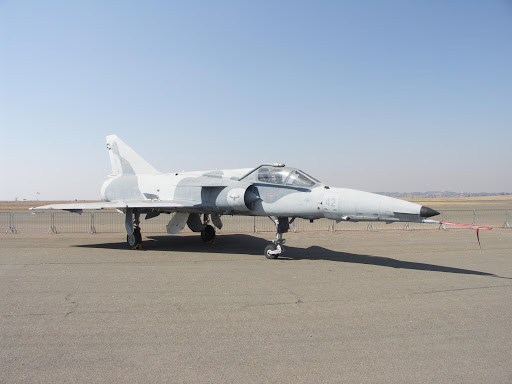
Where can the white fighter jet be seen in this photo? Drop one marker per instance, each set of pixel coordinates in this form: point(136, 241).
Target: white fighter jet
point(200, 198)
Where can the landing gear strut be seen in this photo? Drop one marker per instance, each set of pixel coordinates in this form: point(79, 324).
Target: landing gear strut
point(208, 232)
point(272, 251)
point(132, 223)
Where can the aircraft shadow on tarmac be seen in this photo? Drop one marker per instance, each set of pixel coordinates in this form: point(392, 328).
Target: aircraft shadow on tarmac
point(250, 245)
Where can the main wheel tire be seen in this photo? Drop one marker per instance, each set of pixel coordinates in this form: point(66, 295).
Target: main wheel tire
point(135, 238)
point(130, 239)
point(208, 234)
point(268, 248)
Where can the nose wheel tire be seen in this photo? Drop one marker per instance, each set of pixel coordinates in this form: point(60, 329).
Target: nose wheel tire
point(270, 251)
point(208, 234)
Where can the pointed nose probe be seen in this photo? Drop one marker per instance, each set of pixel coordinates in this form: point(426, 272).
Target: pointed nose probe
point(427, 212)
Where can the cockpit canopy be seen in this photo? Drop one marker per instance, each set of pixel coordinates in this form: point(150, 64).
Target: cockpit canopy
point(282, 176)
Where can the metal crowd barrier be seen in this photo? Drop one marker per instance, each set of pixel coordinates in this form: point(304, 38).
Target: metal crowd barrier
point(113, 222)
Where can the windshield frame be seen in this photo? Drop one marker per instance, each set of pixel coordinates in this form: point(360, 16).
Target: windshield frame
point(282, 176)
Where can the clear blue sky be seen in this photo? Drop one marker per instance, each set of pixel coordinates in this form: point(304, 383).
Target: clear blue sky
point(372, 95)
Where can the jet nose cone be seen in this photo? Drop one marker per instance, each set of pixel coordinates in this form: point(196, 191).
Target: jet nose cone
point(427, 212)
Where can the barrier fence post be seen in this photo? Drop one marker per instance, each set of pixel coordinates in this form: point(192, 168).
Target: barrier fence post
point(12, 228)
point(92, 229)
point(52, 228)
point(474, 217)
point(254, 229)
point(506, 225)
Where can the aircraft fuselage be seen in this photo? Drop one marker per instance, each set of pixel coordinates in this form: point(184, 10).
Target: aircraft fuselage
point(221, 192)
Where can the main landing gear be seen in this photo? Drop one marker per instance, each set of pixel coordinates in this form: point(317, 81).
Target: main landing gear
point(208, 232)
point(272, 251)
point(132, 224)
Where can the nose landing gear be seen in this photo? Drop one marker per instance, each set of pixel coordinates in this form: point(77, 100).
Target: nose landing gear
point(272, 251)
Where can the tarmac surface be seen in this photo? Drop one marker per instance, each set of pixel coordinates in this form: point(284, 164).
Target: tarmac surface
point(354, 307)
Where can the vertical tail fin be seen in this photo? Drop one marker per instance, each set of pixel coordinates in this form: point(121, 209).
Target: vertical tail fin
point(125, 161)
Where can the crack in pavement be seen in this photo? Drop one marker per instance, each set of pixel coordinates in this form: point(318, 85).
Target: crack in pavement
point(464, 289)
